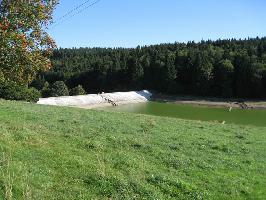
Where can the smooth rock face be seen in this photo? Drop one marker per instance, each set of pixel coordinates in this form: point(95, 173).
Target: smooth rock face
point(97, 100)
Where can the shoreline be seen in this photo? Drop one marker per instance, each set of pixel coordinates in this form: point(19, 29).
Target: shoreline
point(115, 99)
point(211, 101)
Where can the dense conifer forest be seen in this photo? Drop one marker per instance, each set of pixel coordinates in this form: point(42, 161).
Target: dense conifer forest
point(222, 68)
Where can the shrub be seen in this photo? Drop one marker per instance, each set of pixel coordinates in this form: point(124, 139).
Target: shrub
point(31, 95)
point(77, 91)
point(46, 91)
point(13, 91)
point(2, 78)
point(59, 88)
point(38, 83)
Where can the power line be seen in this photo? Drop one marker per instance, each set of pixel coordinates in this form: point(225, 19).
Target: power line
point(74, 9)
point(65, 18)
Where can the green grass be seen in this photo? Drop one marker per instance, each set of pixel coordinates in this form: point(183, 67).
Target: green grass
point(68, 153)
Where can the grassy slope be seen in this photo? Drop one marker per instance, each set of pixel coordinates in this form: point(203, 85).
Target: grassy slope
point(67, 153)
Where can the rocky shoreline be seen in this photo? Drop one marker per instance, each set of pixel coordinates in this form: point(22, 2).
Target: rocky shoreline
point(212, 102)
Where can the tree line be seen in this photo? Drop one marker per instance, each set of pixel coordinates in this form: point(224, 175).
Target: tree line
point(221, 68)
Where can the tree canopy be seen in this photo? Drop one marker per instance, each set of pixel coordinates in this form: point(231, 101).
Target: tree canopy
point(25, 45)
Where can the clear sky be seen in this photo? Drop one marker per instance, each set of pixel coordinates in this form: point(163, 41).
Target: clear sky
point(129, 23)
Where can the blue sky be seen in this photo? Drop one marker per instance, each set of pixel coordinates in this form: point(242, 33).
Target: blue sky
point(129, 23)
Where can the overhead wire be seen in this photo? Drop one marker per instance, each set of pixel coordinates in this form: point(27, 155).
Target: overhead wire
point(68, 15)
point(72, 10)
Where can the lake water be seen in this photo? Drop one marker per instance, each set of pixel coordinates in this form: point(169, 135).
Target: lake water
point(236, 116)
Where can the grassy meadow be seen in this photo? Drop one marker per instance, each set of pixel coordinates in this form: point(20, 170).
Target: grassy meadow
point(68, 153)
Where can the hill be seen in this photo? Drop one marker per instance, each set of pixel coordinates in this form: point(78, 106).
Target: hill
point(222, 68)
point(69, 153)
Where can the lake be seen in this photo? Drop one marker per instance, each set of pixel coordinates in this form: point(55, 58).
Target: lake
point(236, 116)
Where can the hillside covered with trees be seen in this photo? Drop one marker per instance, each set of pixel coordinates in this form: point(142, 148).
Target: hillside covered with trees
point(222, 68)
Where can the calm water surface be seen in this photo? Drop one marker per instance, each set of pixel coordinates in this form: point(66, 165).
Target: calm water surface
point(236, 116)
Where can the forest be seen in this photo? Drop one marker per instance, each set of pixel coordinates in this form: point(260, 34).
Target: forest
point(222, 68)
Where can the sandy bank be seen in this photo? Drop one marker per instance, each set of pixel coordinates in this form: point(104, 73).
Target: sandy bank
point(98, 100)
